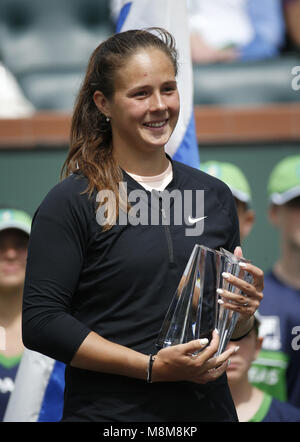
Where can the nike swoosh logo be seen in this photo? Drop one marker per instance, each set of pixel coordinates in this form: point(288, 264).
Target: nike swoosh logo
point(195, 220)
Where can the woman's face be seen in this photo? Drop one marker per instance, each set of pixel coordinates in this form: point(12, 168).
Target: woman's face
point(145, 106)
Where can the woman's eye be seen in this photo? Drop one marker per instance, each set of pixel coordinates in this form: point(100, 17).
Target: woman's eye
point(140, 94)
point(169, 89)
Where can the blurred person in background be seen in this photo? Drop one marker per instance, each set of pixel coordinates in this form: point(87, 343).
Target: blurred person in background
point(14, 234)
point(252, 404)
point(278, 366)
point(228, 30)
point(235, 179)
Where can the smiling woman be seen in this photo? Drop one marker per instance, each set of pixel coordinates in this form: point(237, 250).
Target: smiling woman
point(95, 296)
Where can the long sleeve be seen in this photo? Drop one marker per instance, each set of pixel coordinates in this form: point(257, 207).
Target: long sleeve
point(55, 256)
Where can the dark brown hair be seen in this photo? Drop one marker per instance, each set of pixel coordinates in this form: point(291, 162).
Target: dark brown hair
point(91, 137)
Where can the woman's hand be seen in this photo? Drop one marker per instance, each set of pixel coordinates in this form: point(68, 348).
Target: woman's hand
point(246, 298)
point(247, 302)
point(183, 363)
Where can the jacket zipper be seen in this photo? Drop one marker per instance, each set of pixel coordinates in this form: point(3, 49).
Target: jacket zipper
point(168, 237)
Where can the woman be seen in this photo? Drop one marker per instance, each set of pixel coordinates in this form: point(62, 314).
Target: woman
point(96, 295)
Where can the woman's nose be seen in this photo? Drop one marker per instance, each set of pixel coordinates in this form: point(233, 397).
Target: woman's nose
point(158, 102)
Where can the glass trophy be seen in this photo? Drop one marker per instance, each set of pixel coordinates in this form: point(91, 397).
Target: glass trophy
point(193, 311)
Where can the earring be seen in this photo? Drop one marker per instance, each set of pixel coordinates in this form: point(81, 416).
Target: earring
point(107, 119)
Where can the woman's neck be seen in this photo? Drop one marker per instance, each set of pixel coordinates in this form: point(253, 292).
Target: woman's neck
point(143, 163)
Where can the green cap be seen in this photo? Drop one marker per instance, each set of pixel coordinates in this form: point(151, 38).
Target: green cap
point(284, 180)
point(15, 219)
point(232, 176)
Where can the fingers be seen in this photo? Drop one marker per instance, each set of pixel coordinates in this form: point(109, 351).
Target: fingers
point(185, 362)
point(211, 349)
point(248, 301)
point(213, 374)
point(209, 352)
point(238, 252)
point(239, 303)
point(257, 273)
point(239, 300)
point(216, 366)
point(207, 366)
point(193, 347)
point(241, 284)
point(213, 346)
point(217, 361)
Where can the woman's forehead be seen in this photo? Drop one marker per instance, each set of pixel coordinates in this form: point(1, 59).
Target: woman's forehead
point(143, 64)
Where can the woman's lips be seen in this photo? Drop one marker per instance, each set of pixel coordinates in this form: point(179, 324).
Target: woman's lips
point(155, 125)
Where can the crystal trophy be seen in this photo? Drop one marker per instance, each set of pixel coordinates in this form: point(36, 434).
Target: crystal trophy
point(193, 311)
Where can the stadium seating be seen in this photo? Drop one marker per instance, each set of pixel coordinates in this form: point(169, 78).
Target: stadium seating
point(46, 45)
point(246, 83)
